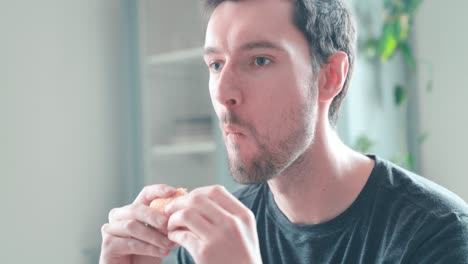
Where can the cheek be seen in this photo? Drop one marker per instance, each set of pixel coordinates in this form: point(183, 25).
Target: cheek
point(271, 111)
point(211, 89)
point(279, 93)
point(213, 95)
point(280, 103)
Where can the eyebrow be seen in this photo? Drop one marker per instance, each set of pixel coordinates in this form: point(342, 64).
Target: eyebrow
point(211, 50)
point(248, 46)
point(260, 45)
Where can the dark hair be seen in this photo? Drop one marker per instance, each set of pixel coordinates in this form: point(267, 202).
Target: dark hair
point(329, 27)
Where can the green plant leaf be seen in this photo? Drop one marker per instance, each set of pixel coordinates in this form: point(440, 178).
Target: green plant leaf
point(404, 26)
point(410, 161)
point(405, 160)
point(388, 41)
point(399, 93)
point(396, 29)
point(363, 144)
point(408, 55)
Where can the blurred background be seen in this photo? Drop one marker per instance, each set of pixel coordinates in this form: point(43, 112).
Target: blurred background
point(99, 98)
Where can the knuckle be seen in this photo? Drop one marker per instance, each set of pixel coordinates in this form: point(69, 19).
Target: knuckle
point(215, 190)
point(106, 241)
point(251, 217)
point(246, 216)
point(129, 225)
point(230, 225)
point(179, 217)
point(112, 213)
point(185, 214)
point(195, 192)
point(196, 199)
point(219, 188)
point(145, 189)
point(162, 186)
point(104, 228)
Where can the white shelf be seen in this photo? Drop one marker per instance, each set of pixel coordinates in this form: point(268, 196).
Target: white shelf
point(201, 147)
point(176, 56)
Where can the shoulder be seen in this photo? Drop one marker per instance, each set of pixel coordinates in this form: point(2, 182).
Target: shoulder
point(420, 192)
point(432, 219)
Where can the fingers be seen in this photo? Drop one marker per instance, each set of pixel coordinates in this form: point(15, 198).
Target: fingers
point(185, 238)
point(217, 194)
point(139, 231)
point(208, 209)
point(151, 192)
point(136, 229)
point(214, 203)
point(203, 210)
point(189, 219)
point(141, 213)
point(121, 246)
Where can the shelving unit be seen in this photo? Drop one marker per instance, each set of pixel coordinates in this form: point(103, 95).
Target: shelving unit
point(182, 143)
point(207, 147)
point(176, 56)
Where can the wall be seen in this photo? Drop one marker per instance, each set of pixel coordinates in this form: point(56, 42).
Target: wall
point(64, 135)
point(369, 109)
point(441, 41)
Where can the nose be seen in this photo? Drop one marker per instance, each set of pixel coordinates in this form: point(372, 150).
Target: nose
point(226, 87)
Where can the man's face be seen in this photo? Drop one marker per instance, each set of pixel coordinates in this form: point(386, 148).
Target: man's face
point(261, 86)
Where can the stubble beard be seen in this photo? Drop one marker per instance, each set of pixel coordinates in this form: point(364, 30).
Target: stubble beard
point(272, 159)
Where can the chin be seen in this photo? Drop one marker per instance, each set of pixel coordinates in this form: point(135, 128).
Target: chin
point(251, 173)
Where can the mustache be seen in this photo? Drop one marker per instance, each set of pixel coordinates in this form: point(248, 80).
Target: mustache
point(230, 118)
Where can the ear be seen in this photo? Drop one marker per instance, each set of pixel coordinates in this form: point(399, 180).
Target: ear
point(332, 76)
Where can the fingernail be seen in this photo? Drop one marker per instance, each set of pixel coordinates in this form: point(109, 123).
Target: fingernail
point(163, 251)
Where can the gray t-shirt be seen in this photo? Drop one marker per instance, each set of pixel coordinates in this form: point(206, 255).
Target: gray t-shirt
point(398, 217)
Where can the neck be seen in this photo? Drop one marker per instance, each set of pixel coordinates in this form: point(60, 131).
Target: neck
point(306, 192)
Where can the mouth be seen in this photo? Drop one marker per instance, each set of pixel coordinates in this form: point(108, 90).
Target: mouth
point(232, 130)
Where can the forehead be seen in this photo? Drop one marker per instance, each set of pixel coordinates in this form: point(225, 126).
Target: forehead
point(234, 23)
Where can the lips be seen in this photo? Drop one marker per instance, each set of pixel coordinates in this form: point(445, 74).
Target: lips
point(232, 130)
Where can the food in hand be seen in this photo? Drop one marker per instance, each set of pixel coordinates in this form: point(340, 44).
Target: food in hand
point(160, 203)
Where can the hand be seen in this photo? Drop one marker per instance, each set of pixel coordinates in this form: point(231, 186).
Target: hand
point(214, 227)
point(136, 233)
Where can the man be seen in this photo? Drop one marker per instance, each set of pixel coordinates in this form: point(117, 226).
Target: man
point(279, 70)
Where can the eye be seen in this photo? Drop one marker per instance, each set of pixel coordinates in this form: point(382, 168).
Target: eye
point(216, 66)
point(262, 61)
